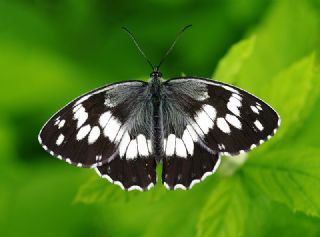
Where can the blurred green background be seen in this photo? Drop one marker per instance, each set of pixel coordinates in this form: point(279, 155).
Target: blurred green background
point(53, 51)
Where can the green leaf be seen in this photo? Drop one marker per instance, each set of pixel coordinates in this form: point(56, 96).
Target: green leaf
point(98, 190)
point(230, 66)
point(288, 33)
point(268, 217)
point(293, 92)
point(290, 176)
point(226, 210)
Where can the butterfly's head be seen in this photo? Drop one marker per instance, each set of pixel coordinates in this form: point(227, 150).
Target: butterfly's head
point(156, 74)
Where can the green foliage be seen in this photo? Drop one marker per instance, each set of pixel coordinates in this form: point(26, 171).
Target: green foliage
point(53, 51)
point(290, 176)
point(226, 210)
point(229, 67)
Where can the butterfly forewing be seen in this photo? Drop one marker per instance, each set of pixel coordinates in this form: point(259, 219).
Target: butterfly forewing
point(227, 119)
point(88, 131)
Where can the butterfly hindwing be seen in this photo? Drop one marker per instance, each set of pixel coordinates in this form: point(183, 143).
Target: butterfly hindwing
point(183, 173)
point(137, 173)
point(88, 131)
point(227, 119)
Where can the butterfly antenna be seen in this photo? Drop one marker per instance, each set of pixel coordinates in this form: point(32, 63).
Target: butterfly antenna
point(137, 45)
point(173, 44)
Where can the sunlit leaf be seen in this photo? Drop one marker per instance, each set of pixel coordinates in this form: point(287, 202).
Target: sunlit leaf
point(290, 176)
point(225, 213)
point(293, 92)
point(99, 190)
point(230, 66)
point(281, 39)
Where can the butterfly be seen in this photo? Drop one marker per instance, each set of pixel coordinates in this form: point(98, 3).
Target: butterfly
point(125, 129)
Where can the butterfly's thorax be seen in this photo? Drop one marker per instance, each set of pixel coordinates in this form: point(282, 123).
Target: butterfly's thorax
point(157, 126)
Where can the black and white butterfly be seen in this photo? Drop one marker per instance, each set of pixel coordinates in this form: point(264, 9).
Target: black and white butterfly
point(124, 130)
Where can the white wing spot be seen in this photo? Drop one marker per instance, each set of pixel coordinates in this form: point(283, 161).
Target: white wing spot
point(179, 186)
point(254, 109)
point(194, 182)
point(124, 144)
point(76, 108)
point(119, 184)
point(230, 89)
point(235, 101)
point(187, 139)
point(60, 140)
point(81, 115)
point(142, 145)
point(108, 103)
point(104, 119)
point(57, 121)
point(135, 187)
point(120, 134)
point(197, 129)
point(132, 151)
point(203, 96)
point(237, 96)
point(112, 128)
point(258, 125)
point(171, 143)
point(253, 146)
point(180, 148)
point(234, 121)
point(84, 98)
point(211, 111)
point(192, 133)
point(83, 132)
point(150, 186)
point(204, 121)
point(223, 125)
point(258, 105)
point(94, 135)
point(233, 105)
point(149, 145)
point(164, 143)
point(221, 146)
point(61, 123)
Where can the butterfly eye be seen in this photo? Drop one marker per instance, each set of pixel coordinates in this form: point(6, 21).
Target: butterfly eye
point(156, 74)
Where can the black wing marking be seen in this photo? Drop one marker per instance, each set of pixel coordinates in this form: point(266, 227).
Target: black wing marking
point(227, 119)
point(88, 131)
point(184, 173)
